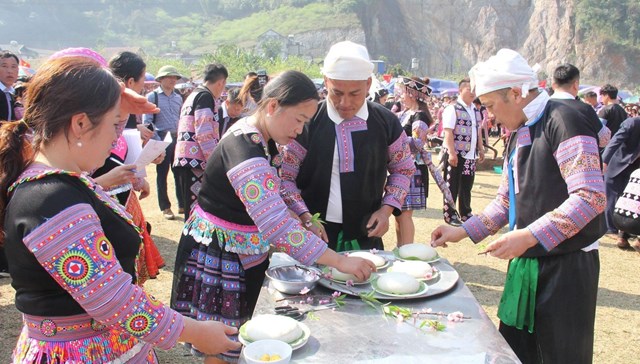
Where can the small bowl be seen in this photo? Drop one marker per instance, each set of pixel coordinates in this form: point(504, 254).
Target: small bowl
point(254, 351)
point(291, 279)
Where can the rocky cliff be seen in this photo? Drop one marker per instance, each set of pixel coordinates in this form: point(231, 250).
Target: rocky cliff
point(450, 37)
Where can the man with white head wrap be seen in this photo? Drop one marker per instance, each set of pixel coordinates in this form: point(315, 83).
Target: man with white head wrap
point(338, 166)
point(552, 197)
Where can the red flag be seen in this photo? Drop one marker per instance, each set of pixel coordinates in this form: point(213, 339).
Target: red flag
point(24, 63)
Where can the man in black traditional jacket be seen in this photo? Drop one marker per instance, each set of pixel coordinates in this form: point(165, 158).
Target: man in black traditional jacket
point(552, 196)
point(338, 166)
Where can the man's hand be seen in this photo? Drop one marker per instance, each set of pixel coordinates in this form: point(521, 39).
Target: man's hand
point(481, 154)
point(378, 223)
point(512, 244)
point(145, 133)
point(444, 234)
point(453, 160)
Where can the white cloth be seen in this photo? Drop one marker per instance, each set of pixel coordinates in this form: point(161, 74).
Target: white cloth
point(506, 69)
point(535, 107)
point(363, 112)
point(449, 120)
point(562, 95)
point(347, 61)
point(334, 206)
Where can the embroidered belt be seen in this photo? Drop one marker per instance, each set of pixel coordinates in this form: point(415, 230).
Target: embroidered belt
point(63, 328)
point(236, 238)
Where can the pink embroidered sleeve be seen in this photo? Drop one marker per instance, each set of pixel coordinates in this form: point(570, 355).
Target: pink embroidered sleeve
point(401, 168)
point(206, 131)
point(579, 164)
point(257, 185)
point(292, 156)
point(494, 216)
point(74, 250)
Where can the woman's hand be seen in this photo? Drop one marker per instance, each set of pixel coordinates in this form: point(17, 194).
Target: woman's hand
point(209, 337)
point(319, 231)
point(133, 103)
point(117, 176)
point(144, 190)
point(160, 158)
point(359, 267)
point(306, 219)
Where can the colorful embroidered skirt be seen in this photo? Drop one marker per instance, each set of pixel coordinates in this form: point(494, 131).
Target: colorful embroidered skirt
point(418, 190)
point(149, 261)
point(75, 340)
point(210, 283)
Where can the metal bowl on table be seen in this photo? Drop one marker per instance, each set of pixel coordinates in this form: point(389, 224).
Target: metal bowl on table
point(291, 279)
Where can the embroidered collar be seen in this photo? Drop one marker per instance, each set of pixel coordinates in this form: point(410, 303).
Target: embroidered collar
point(363, 112)
point(38, 171)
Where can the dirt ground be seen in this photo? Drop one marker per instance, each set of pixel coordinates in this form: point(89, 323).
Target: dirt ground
point(617, 336)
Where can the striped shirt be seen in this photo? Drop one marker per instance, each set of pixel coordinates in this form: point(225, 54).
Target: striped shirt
point(167, 119)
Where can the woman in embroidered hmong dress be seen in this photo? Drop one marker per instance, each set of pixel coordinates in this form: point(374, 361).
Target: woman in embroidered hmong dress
point(223, 252)
point(416, 120)
point(71, 247)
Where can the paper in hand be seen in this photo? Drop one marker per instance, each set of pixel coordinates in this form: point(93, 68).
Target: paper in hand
point(134, 145)
point(151, 151)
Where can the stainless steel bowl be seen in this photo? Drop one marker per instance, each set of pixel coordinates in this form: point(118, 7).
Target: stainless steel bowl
point(291, 279)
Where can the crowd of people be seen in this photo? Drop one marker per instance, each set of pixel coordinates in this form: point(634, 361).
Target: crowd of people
point(279, 165)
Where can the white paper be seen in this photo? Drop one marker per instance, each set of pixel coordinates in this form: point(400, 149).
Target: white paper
point(134, 145)
point(151, 151)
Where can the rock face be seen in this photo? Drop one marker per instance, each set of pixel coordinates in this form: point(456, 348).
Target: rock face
point(448, 38)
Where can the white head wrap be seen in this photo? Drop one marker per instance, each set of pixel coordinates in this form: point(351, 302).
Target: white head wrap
point(506, 69)
point(347, 61)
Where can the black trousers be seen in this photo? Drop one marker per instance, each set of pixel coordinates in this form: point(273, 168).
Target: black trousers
point(460, 181)
point(4, 265)
point(162, 171)
point(565, 312)
point(333, 229)
point(190, 184)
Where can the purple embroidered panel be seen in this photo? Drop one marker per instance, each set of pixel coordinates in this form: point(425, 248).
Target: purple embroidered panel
point(74, 250)
point(292, 156)
point(257, 185)
point(345, 142)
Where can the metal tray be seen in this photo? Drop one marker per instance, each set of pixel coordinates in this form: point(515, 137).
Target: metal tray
point(445, 281)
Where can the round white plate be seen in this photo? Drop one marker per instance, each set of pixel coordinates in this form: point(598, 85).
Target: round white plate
point(387, 262)
point(306, 333)
point(434, 274)
point(326, 270)
point(397, 255)
point(423, 289)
